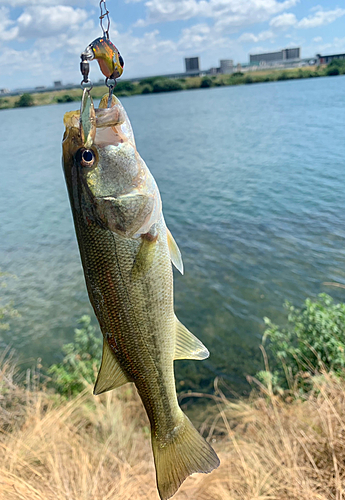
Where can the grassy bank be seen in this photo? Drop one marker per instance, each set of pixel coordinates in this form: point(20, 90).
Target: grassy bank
point(58, 442)
point(161, 84)
point(98, 448)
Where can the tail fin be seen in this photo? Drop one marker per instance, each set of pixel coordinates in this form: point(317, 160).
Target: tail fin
point(187, 452)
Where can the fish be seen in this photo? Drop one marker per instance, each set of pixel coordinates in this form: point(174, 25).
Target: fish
point(127, 253)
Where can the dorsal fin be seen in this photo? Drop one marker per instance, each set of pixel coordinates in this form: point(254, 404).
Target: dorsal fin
point(187, 345)
point(110, 374)
point(175, 253)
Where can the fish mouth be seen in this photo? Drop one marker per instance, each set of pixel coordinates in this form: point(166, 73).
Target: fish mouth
point(100, 127)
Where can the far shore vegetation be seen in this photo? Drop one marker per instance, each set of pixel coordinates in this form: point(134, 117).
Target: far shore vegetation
point(158, 84)
point(285, 441)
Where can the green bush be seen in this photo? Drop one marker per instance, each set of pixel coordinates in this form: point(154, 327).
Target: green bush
point(333, 71)
point(166, 85)
point(147, 89)
point(66, 98)
point(248, 79)
point(339, 64)
point(24, 101)
point(314, 339)
point(124, 87)
point(150, 80)
point(283, 76)
point(206, 82)
point(82, 358)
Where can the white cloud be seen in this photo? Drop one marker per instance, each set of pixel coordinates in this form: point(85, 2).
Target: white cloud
point(317, 39)
point(283, 21)
point(32, 3)
point(250, 37)
point(7, 29)
point(46, 21)
point(226, 13)
point(320, 18)
point(336, 46)
point(201, 37)
point(195, 36)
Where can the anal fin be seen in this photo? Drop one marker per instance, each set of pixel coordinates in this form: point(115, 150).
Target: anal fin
point(187, 345)
point(110, 374)
point(175, 253)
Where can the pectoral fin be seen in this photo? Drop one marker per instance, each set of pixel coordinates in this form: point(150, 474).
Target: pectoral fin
point(145, 255)
point(110, 374)
point(175, 253)
point(187, 345)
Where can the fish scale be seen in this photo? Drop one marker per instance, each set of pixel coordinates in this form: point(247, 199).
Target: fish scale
point(126, 252)
point(128, 314)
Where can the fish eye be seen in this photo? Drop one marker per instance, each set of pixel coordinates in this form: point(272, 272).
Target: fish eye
point(85, 157)
point(121, 61)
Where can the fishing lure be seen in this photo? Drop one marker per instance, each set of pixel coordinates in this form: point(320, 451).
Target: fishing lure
point(107, 55)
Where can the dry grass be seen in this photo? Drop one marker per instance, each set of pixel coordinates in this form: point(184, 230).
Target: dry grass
point(99, 448)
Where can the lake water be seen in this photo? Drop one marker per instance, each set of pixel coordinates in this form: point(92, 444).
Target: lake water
point(253, 186)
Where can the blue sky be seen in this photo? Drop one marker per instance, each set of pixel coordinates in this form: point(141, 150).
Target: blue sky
point(41, 40)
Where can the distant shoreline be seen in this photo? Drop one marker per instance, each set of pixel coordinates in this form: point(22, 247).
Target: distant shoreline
point(153, 85)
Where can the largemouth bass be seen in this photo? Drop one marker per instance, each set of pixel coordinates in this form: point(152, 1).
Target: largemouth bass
point(126, 252)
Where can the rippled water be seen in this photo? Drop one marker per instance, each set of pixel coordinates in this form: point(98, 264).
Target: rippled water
point(253, 188)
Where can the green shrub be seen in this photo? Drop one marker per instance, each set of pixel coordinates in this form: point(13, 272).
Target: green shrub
point(339, 64)
point(333, 71)
point(147, 89)
point(82, 358)
point(4, 103)
point(248, 79)
point(206, 82)
point(166, 85)
point(124, 87)
point(314, 339)
point(283, 76)
point(150, 80)
point(24, 101)
point(66, 98)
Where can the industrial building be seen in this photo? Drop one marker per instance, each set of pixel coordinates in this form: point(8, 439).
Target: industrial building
point(192, 64)
point(276, 57)
point(226, 66)
point(327, 59)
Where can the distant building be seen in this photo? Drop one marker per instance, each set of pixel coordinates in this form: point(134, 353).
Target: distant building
point(192, 64)
point(327, 59)
point(226, 66)
point(58, 84)
point(275, 57)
